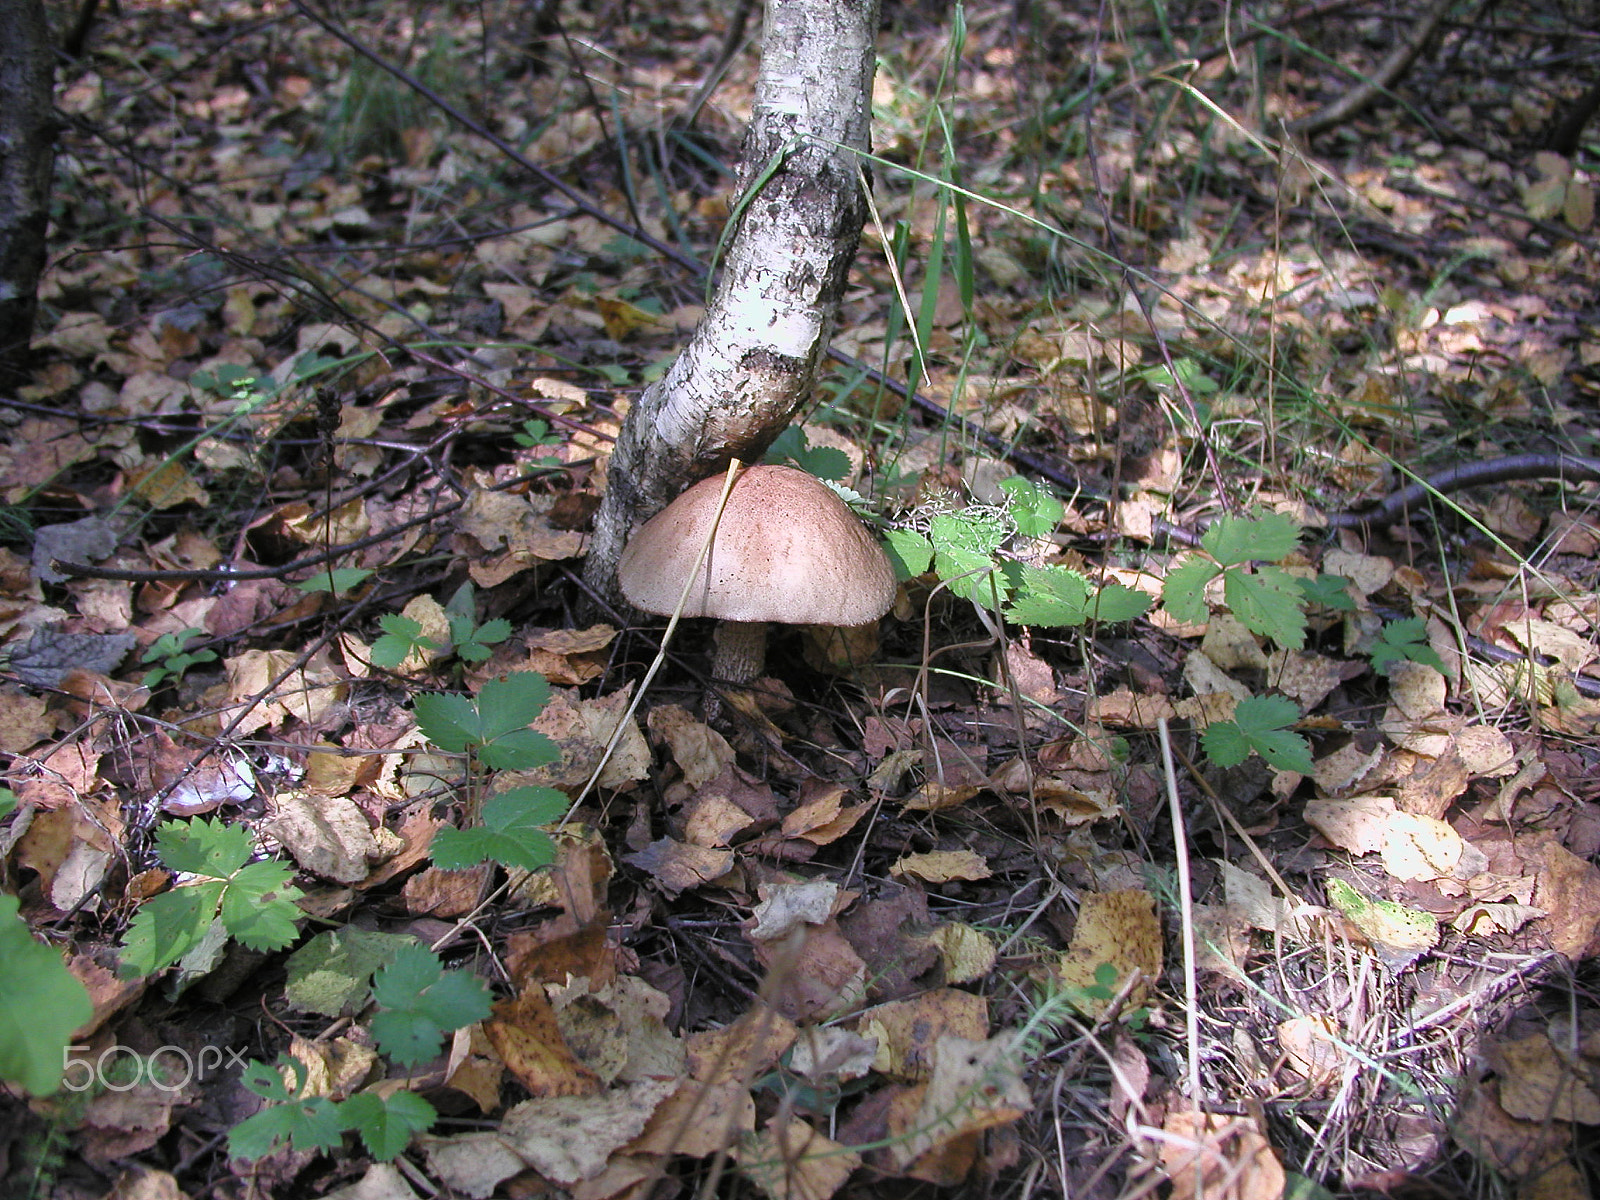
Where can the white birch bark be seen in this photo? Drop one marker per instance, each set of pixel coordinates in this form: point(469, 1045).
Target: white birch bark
point(752, 360)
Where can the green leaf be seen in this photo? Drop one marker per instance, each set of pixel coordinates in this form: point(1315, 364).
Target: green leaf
point(511, 702)
point(966, 572)
point(510, 833)
point(1260, 724)
point(312, 1123)
point(401, 638)
point(1225, 744)
point(1266, 538)
point(448, 721)
point(259, 906)
point(1267, 602)
point(168, 926)
point(202, 847)
point(1405, 640)
point(1118, 602)
point(973, 530)
point(332, 973)
point(421, 1002)
point(1184, 590)
point(1051, 597)
point(1035, 511)
point(1328, 591)
point(337, 581)
point(386, 1125)
point(909, 551)
point(825, 462)
point(40, 1005)
point(8, 802)
point(519, 750)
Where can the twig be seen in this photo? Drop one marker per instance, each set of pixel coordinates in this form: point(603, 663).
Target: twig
point(1389, 73)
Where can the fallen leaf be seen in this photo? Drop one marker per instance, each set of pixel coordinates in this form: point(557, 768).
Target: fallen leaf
point(789, 1160)
point(1119, 929)
point(1207, 1155)
point(907, 1030)
point(1538, 1084)
point(975, 1085)
point(942, 866)
point(526, 1035)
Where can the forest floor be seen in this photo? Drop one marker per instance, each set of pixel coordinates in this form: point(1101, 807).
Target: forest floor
point(1168, 837)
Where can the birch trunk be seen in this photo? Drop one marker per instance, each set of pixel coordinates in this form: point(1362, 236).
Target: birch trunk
point(27, 141)
point(751, 363)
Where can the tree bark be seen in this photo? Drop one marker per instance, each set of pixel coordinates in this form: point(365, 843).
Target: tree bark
point(751, 363)
point(27, 144)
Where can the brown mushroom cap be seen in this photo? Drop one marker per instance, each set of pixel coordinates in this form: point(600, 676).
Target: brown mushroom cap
point(787, 549)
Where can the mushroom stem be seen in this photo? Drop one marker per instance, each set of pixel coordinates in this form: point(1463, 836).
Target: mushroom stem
point(741, 651)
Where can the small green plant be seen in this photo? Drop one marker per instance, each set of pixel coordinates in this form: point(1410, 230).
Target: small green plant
point(172, 658)
point(493, 732)
point(966, 549)
point(509, 833)
point(418, 1000)
point(337, 580)
point(254, 900)
point(40, 1005)
point(401, 638)
point(472, 643)
point(493, 729)
point(1260, 725)
point(793, 446)
point(1266, 600)
point(1092, 999)
point(535, 435)
point(444, 1001)
point(1328, 591)
point(1405, 640)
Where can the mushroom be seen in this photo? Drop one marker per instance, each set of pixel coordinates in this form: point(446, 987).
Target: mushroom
point(787, 549)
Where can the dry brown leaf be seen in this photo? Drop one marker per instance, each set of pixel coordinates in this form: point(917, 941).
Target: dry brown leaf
point(1124, 709)
point(976, 1084)
point(698, 1119)
point(942, 866)
point(618, 1030)
point(815, 972)
point(1357, 825)
point(526, 1035)
point(581, 729)
point(789, 1160)
point(1417, 848)
point(327, 835)
point(1568, 888)
point(1538, 1084)
point(906, 1030)
point(1219, 1158)
point(71, 849)
point(1515, 1147)
point(446, 894)
point(567, 1138)
point(784, 905)
point(306, 692)
point(738, 1053)
point(66, 775)
point(966, 953)
point(700, 751)
point(677, 866)
point(1311, 1047)
point(1116, 928)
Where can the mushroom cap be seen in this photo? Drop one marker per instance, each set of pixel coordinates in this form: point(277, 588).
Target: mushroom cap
point(788, 549)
